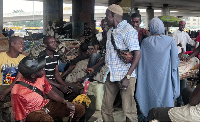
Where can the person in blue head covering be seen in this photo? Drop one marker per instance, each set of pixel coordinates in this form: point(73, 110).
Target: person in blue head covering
point(158, 83)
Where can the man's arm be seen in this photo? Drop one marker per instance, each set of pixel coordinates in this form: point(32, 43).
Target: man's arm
point(190, 41)
point(101, 62)
point(53, 83)
point(194, 53)
point(195, 96)
point(69, 70)
point(54, 96)
point(136, 59)
point(58, 77)
point(7, 90)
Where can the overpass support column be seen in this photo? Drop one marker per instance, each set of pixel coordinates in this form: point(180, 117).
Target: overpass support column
point(1, 15)
point(82, 12)
point(149, 15)
point(165, 10)
point(127, 6)
point(52, 11)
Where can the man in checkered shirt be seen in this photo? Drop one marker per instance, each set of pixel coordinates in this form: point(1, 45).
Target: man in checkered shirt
point(120, 76)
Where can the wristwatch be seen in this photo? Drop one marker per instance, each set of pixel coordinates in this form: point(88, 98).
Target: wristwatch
point(128, 76)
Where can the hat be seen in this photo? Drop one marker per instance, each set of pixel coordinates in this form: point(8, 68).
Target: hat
point(182, 22)
point(28, 65)
point(116, 9)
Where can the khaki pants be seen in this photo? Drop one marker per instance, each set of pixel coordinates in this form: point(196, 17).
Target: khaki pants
point(128, 101)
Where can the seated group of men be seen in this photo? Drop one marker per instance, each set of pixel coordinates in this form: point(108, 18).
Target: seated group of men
point(38, 92)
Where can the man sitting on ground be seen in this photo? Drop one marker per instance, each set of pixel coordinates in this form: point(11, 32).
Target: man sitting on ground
point(83, 54)
point(96, 57)
point(187, 113)
point(9, 66)
point(52, 71)
point(27, 96)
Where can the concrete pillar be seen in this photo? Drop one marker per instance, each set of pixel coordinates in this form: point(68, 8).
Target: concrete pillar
point(165, 10)
point(1, 15)
point(82, 12)
point(149, 15)
point(127, 6)
point(77, 25)
point(52, 11)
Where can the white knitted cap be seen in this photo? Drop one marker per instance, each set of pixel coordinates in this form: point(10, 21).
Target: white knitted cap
point(116, 9)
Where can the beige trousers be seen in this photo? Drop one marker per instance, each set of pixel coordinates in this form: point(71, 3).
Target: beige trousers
point(128, 101)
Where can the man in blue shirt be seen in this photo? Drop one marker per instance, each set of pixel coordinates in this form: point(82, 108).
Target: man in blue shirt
point(120, 76)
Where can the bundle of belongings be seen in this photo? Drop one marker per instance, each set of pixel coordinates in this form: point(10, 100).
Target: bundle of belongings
point(186, 67)
point(89, 102)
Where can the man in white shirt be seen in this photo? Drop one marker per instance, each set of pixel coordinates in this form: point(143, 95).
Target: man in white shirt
point(182, 38)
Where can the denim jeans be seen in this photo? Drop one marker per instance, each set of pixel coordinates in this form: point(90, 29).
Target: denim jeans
point(61, 66)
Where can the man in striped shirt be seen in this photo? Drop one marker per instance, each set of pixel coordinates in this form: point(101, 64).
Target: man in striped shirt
point(52, 72)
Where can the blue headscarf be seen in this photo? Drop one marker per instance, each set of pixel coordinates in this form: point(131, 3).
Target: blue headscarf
point(156, 26)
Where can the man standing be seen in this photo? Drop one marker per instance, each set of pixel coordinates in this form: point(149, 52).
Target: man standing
point(135, 22)
point(182, 38)
point(121, 76)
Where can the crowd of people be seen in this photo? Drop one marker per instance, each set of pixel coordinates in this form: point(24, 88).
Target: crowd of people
point(149, 84)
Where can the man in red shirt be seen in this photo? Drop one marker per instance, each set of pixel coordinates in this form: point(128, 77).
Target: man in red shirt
point(27, 96)
point(135, 22)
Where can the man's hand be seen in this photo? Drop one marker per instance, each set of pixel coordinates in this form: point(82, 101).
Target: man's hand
point(125, 83)
point(179, 45)
point(65, 89)
point(90, 70)
point(71, 107)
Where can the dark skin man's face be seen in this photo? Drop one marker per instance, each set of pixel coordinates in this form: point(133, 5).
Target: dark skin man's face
point(109, 18)
point(181, 27)
point(18, 45)
point(51, 44)
point(135, 22)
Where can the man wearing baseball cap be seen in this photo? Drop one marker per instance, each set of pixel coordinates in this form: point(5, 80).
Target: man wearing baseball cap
point(120, 76)
point(27, 96)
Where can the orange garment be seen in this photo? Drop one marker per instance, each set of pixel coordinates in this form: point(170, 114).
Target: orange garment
point(24, 100)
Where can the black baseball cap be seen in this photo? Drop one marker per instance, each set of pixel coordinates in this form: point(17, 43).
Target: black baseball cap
point(29, 65)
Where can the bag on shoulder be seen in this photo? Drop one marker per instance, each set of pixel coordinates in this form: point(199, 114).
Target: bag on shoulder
point(124, 55)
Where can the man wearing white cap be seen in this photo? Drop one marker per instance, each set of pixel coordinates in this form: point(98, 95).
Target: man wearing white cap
point(120, 76)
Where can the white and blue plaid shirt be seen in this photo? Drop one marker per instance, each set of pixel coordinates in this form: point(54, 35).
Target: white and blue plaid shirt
point(126, 38)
